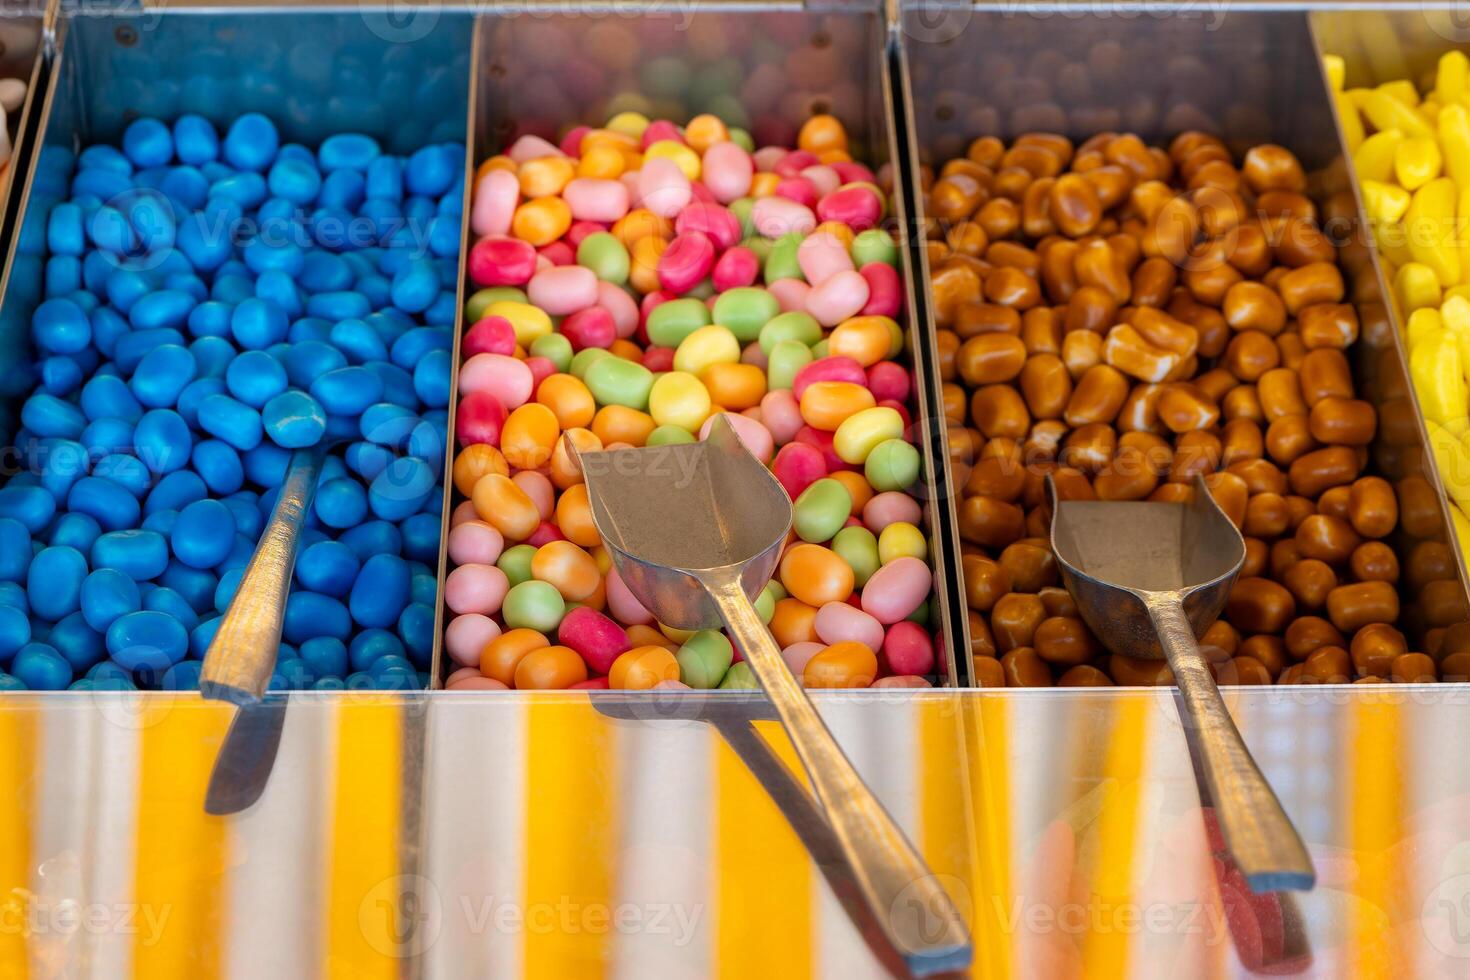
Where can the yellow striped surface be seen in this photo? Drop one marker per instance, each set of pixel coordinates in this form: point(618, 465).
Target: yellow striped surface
point(1371, 768)
point(18, 748)
point(1106, 952)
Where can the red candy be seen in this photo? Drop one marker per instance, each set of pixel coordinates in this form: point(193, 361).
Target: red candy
point(581, 229)
point(479, 418)
point(834, 368)
point(491, 335)
point(571, 143)
point(798, 465)
point(499, 261)
point(719, 223)
point(592, 327)
point(544, 533)
point(854, 205)
point(559, 253)
point(793, 163)
point(889, 382)
point(686, 262)
point(737, 267)
point(541, 369)
point(798, 189)
point(659, 359)
point(659, 130)
point(907, 649)
point(594, 636)
point(885, 290)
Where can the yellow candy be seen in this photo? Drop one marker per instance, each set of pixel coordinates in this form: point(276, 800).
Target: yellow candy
point(713, 344)
point(1336, 70)
point(1349, 120)
point(862, 430)
point(678, 398)
point(629, 123)
point(901, 540)
point(1422, 323)
point(1385, 111)
point(1430, 229)
point(1374, 159)
point(1453, 457)
point(1438, 372)
point(1416, 162)
point(529, 322)
point(677, 635)
point(1401, 89)
point(686, 159)
point(1454, 142)
point(1462, 532)
point(1384, 202)
point(1462, 291)
point(1450, 76)
point(1416, 287)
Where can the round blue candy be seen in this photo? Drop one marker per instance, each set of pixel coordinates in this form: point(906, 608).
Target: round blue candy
point(75, 531)
point(49, 417)
point(328, 567)
point(195, 140)
point(258, 323)
point(110, 231)
point(161, 521)
point(219, 466)
point(387, 424)
point(294, 420)
point(210, 318)
point(31, 507)
point(77, 642)
point(201, 636)
point(113, 507)
point(369, 645)
point(233, 421)
point(402, 488)
point(204, 534)
point(163, 440)
point(255, 378)
point(341, 503)
point(325, 655)
point(61, 327)
point(183, 676)
point(15, 632)
point(385, 179)
point(194, 394)
point(166, 309)
point(295, 180)
point(54, 582)
point(175, 492)
point(415, 286)
point(40, 668)
point(251, 142)
point(416, 629)
point(309, 614)
point(166, 600)
point(141, 554)
point(432, 169)
point(373, 537)
point(65, 234)
point(358, 341)
point(148, 143)
point(107, 594)
point(205, 247)
point(421, 537)
point(367, 459)
point(14, 594)
point(161, 375)
point(15, 549)
point(107, 436)
point(266, 465)
point(106, 396)
point(348, 150)
point(431, 378)
point(229, 583)
point(186, 187)
point(126, 471)
point(381, 591)
point(63, 463)
point(147, 640)
point(196, 586)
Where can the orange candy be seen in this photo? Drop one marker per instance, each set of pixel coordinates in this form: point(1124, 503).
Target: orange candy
point(626, 349)
point(601, 162)
point(816, 575)
point(619, 423)
point(567, 567)
point(506, 506)
point(865, 339)
point(642, 667)
point(643, 268)
point(845, 664)
point(550, 668)
point(826, 404)
point(857, 486)
point(569, 400)
point(574, 517)
point(734, 386)
point(541, 220)
point(793, 622)
point(704, 131)
point(529, 435)
point(641, 223)
point(503, 654)
point(473, 462)
point(644, 635)
point(546, 176)
point(822, 133)
point(565, 473)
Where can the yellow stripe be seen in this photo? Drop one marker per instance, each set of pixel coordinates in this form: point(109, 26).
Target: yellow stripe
point(372, 910)
point(1105, 953)
point(764, 897)
point(571, 841)
point(965, 817)
point(18, 747)
point(1372, 770)
point(182, 853)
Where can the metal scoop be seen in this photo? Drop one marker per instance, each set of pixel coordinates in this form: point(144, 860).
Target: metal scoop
point(1149, 578)
point(695, 531)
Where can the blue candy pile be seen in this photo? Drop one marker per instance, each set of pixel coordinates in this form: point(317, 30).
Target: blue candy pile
point(212, 304)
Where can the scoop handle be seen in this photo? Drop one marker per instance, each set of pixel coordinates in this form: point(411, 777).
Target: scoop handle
point(1258, 833)
point(909, 904)
point(242, 656)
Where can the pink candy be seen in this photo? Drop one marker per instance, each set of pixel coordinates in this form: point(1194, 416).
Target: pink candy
point(901, 681)
point(839, 297)
point(775, 217)
point(719, 223)
point(598, 639)
point(797, 466)
point(728, 171)
point(539, 489)
point(530, 147)
point(499, 261)
point(890, 507)
point(622, 604)
point(896, 589)
point(591, 199)
point(737, 267)
point(476, 589)
point(509, 379)
point(496, 197)
point(479, 418)
point(889, 381)
point(475, 543)
point(686, 262)
point(798, 655)
point(466, 636)
point(885, 289)
point(795, 162)
point(834, 367)
point(658, 131)
point(491, 335)
point(592, 327)
point(821, 256)
point(563, 290)
point(838, 621)
point(620, 306)
point(798, 189)
point(823, 178)
point(854, 205)
point(757, 437)
point(907, 649)
point(790, 293)
point(663, 188)
point(781, 414)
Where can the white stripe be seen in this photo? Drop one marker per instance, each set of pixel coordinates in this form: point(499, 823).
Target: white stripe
point(112, 761)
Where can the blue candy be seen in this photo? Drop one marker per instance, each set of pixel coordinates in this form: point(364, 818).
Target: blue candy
point(15, 549)
point(166, 600)
point(381, 591)
point(255, 377)
point(54, 582)
point(175, 491)
point(15, 632)
point(148, 143)
point(164, 309)
point(195, 140)
point(341, 503)
point(48, 416)
point(310, 614)
point(40, 668)
point(183, 676)
point(328, 567)
point(108, 396)
point(107, 594)
point(163, 441)
point(348, 150)
point(402, 488)
point(251, 142)
point(203, 534)
point(196, 586)
point(75, 531)
point(161, 374)
point(77, 642)
point(140, 554)
point(147, 640)
point(294, 420)
point(31, 507)
point(235, 422)
point(60, 326)
point(416, 629)
point(345, 391)
point(257, 323)
point(113, 507)
point(219, 466)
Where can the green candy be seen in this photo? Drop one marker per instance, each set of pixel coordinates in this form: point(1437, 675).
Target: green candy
point(742, 208)
point(859, 548)
point(777, 590)
point(874, 245)
point(742, 139)
point(892, 465)
point(793, 325)
point(765, 603)
point(819, 350)
point(533, 605)
point(475, 306)
point(821, 510)
point(516, 563)
point(555, 348)
point(785, 359)
point(669, 435)
point(745, 310)
point(669, 323)
point(667, 76)
point(759, 247)
point(618, 381)
point(605, 256)
point(782, 263)
point(739, 678)
point(920, 615)
point(704, 658)
point(585, 358)
point(702, 290)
